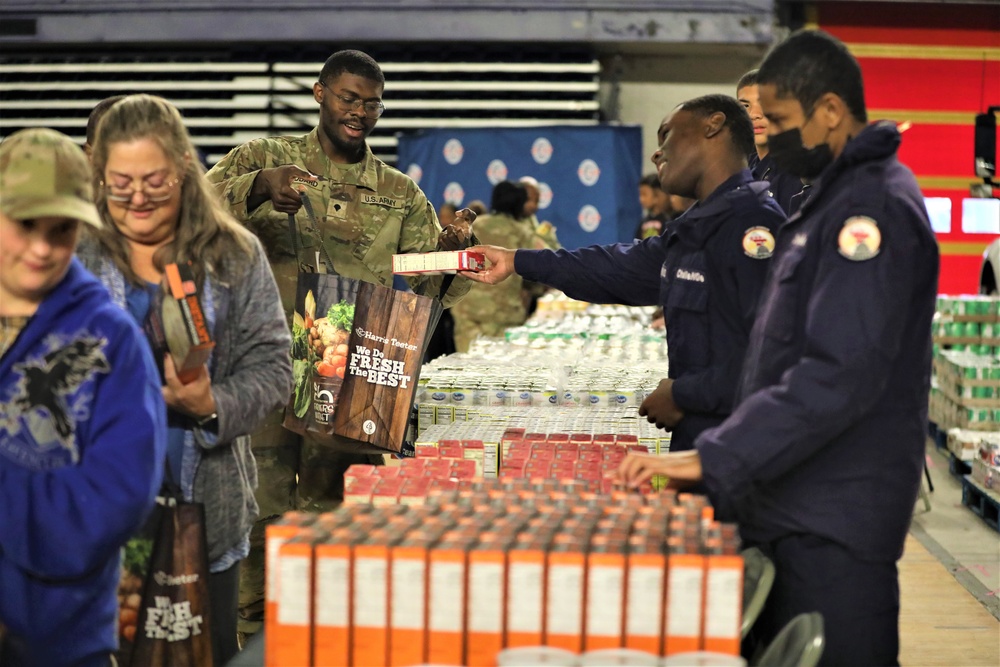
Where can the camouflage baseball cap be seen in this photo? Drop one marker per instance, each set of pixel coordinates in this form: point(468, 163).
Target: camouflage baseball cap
point(43, 173)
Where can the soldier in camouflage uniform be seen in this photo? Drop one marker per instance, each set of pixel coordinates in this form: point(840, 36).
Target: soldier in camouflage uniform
point(365, 211)
point(490, 309)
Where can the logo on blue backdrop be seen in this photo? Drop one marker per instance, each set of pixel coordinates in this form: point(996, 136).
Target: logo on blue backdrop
point(454, 193)
point(541, 150)
point(496, 172)
point(589, 172)
point(415, 172)
point(589, 218)
point(453, 151)
point(544, 195)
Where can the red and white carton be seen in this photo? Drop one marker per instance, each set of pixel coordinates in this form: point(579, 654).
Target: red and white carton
point(448, 261)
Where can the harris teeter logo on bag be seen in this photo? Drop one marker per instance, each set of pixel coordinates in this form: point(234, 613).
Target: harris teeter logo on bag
point(373, 365)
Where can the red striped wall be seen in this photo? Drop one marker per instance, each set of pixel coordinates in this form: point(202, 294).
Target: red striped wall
point(938, 89)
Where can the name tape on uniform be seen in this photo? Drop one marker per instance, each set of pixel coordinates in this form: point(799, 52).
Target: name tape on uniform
point(379, 200)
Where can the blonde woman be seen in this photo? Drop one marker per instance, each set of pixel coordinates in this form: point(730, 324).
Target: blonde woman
point(158, 208)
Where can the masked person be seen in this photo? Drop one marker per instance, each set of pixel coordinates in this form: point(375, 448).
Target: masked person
point(367, 212)
point(785, 188)
point(706, 271)
point(82, 419)
point(821, 461)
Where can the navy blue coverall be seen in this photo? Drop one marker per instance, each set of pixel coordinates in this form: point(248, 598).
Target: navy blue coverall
point(784, 186)
point(820, 462)
point(702, 275)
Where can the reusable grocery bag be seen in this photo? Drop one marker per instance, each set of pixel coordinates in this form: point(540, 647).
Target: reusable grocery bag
point(173, 621)
point(357, 349)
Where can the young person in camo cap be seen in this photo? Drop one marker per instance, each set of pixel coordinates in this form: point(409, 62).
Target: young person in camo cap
point(82, 419)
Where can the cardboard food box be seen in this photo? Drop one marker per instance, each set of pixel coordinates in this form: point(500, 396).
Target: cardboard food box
point(449, 261)
point(357, 349)
point(176, 324)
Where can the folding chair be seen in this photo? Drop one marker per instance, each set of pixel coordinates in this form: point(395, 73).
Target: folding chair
point(799, 644)
point(758, 577)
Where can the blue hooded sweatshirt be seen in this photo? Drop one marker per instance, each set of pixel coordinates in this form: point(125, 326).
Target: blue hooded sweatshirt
point(82, 444)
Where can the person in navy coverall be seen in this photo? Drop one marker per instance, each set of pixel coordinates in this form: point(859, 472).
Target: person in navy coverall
point(706, 270)
point(785, 188)
point(820, 463)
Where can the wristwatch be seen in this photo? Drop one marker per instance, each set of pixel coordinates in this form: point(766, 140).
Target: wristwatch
point(208, 422)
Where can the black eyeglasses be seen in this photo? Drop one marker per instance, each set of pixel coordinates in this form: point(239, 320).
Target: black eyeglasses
point(373, 108)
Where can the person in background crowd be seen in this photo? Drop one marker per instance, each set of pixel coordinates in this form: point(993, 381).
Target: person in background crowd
point(656, 211)
point(82, 419)
point(706, 271)
point(446, 214)
point(490, 309)
point(477, 207)
point(368, 211)
point(821, 461)
point(96, 114)
point(545, 232)
point(159, 208)
point(786, 188)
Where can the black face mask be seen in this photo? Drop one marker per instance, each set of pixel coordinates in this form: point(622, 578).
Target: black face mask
point(791, 157)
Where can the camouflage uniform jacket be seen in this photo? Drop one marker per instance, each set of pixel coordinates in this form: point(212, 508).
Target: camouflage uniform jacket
point(501, 303)
point(365, 212)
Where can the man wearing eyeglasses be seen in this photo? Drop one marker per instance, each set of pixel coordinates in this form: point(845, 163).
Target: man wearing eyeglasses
point(366, 211)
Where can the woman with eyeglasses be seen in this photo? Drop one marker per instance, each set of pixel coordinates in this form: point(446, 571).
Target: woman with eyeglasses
point(158, 208)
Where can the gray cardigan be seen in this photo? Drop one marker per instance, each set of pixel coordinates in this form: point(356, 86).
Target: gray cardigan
point(251, 375)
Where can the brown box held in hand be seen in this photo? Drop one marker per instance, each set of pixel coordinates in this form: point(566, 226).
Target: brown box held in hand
point(176, 324)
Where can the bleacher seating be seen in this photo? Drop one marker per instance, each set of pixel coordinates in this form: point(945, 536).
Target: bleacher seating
point(228, 98)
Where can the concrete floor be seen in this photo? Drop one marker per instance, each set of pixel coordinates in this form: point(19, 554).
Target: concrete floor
point(966, 546)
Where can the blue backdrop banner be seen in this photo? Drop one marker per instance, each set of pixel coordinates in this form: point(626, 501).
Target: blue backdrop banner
point(588, 176)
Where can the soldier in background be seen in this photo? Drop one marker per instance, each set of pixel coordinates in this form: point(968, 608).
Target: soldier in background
point(490, 309)
point(366, 211)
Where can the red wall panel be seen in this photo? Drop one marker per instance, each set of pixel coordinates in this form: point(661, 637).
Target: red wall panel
point(936, 85)
point(917, 23)
point(932, 147)
point(938, 150)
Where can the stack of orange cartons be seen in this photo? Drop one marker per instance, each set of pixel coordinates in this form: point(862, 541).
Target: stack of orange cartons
point(275, 536)
point(476, 570)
